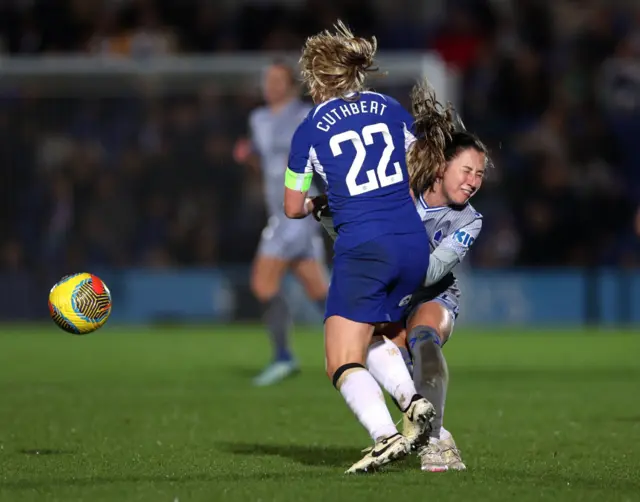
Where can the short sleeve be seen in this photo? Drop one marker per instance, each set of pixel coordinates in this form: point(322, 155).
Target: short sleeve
point(299, 172)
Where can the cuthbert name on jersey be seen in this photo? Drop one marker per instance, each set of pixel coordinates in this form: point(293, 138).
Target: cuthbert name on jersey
point(343, 111)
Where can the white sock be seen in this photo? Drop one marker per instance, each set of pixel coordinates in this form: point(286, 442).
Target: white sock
point(364, 396)
point(386, 364)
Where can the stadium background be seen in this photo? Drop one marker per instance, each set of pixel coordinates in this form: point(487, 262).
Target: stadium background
point(118, 120)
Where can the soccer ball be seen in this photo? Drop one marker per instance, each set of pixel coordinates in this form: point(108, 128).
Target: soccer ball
point(80, 303)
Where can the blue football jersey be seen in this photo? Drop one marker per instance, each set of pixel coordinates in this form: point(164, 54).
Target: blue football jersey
point(358, 147)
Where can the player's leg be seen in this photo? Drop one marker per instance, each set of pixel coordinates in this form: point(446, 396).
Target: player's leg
point(269, 267)
point(356, 300)
point(387, 348)
point(266, 281)
point(410, 279)
point(429, 327)
point(346, 343)
point(384, 360)
point(388, 366)
point(311, 272)
point(397, 333)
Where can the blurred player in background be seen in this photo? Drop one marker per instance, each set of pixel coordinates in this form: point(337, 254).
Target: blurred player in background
point(447, 168)
point(356, 141)
point(286, 245)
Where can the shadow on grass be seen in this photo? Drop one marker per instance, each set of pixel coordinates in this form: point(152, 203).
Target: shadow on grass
point(314, 455)
point(204, 477)
point(45, 451)
point(311, 455)
point(628, 419)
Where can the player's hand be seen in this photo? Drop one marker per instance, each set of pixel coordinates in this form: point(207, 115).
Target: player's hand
point(242, 150)
point(318, 206)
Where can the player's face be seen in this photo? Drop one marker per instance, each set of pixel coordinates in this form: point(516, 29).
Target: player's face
point(463, 176)
point(277, 84)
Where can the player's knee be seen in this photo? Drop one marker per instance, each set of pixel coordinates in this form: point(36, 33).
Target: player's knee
point(445, 332)
point(433, 316)
point(263, 288)
point(446, 325)
point(313, 280)
point(262, 292)
point(316, 291)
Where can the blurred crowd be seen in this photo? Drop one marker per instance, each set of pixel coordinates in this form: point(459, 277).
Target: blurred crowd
point(552, 86)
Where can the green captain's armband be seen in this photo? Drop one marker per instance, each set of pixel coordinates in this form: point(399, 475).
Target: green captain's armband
point(296, 181)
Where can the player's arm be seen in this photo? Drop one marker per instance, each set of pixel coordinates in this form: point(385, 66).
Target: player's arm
point(244, 151)
point(451, 251)
point(298, 176)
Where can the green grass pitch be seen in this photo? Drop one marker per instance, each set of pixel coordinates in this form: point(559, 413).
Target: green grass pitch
point(168, 414)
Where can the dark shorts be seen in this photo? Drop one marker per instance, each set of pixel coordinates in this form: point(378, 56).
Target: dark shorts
point(374, 281)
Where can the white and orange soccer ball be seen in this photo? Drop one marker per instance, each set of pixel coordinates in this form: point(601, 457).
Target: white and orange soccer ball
point(80, 303)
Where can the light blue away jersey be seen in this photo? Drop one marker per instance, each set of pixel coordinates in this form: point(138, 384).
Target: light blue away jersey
point(271, 135)
point(358, 147)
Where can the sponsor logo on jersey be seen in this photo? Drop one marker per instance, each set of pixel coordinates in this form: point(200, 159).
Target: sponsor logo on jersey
point(464, 238)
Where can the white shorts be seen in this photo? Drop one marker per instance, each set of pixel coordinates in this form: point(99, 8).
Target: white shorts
point(289, 240)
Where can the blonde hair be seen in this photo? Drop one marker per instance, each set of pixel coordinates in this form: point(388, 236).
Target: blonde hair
point(434, 126)
point(335, 64)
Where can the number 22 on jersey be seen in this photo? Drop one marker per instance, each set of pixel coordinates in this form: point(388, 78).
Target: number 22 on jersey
point(376, 179)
